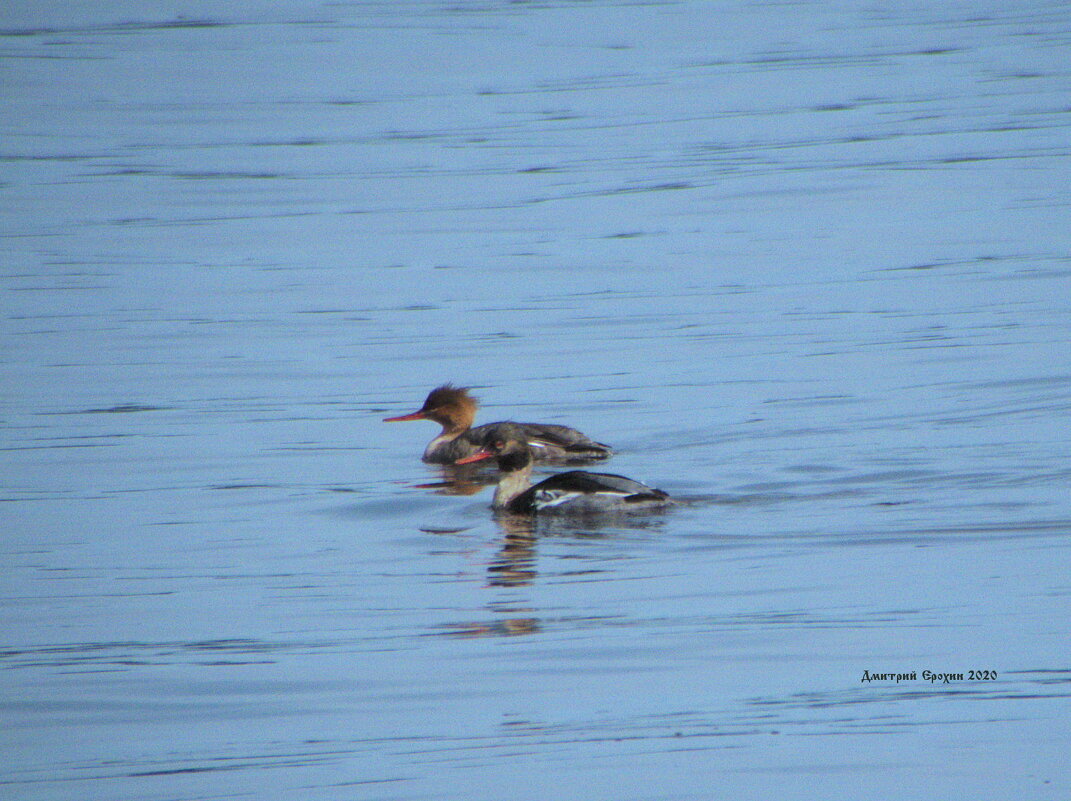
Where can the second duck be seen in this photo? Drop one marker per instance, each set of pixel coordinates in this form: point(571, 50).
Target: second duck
point(572, 492)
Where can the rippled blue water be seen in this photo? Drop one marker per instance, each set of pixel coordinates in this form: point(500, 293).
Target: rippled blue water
point(806, 266)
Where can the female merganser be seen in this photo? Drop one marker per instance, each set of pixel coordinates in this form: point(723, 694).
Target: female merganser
point(574, 492)
point(454, 409)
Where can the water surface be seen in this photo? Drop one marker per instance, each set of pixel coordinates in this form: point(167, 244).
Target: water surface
point(803, 265)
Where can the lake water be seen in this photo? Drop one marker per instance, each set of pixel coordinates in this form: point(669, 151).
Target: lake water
point(806, 265)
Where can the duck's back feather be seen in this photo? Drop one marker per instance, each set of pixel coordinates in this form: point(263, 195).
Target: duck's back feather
point(579, 490)
point(547, 441)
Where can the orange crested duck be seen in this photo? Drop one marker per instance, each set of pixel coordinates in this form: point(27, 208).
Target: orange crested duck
point(455, 409)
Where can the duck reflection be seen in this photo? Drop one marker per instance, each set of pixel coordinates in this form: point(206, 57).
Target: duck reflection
point(460, 480)
point(514, 566)
point(515, 563)
point(507, 627)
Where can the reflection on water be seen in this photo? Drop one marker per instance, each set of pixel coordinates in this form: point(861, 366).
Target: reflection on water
point(514, 565)
point(806, 266)
point(504, 624)
point(460, 479)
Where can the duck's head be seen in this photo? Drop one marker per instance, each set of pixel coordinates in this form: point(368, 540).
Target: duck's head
point(506, 444)
point(451, 407)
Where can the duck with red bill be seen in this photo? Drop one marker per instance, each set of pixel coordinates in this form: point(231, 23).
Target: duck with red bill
point(572, 492)
point(455, 410)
